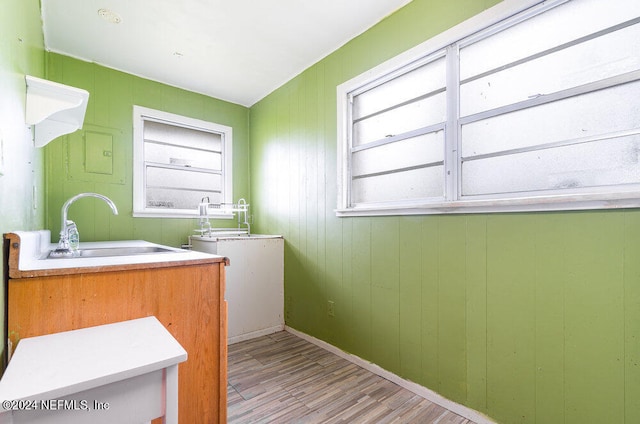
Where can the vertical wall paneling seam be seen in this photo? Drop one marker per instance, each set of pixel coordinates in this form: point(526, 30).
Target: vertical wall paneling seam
point(423, 249)
point(249, 148)
point(486, 315)
point(624, 318)
point(437, 315)
point(564, 282)
point(321, 223)
point(422, 294)
point(371, 310)
point(398, 276)
point(534, 289)
point(398, 303)
point(564, 346)
point(466, 311)
point(467, 281)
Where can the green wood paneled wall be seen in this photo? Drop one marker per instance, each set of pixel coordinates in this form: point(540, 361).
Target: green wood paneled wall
point(22, 179)
point(528, 318)
point(110, 110)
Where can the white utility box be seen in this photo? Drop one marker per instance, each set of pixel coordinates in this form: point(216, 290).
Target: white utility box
point(254, 282)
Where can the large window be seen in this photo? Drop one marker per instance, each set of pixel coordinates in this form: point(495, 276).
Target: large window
point(177, 162)
point(534, 108)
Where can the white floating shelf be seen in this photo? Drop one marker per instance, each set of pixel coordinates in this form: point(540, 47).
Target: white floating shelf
point(54, 109)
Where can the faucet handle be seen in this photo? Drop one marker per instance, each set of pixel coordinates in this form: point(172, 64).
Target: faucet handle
point(69, 236)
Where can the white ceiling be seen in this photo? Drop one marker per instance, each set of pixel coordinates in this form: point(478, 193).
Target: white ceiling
point(235, 50)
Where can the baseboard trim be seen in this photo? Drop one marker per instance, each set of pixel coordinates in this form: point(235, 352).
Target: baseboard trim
point(254, 334)
point(419, 390)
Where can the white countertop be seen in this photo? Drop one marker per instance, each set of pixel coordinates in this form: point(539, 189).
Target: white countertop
point(35, 245)
point(56, 365)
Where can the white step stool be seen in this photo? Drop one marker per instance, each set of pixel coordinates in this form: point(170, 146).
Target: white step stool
point(125, 372)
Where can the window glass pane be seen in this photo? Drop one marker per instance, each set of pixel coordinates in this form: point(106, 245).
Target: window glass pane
point(597, 59)
point(172, 178)
point(402, 154)
point(601, 163)
point(175, 155)
point(560, 25)
point(600, 112)
point(425, 112)
point(411, 185)
point(178, 199)
point(411, 85)
point(166, 133)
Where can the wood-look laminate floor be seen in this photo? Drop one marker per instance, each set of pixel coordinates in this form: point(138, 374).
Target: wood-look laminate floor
point(282, 378)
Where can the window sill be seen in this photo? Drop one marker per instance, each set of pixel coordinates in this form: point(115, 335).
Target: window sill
point(528, 204)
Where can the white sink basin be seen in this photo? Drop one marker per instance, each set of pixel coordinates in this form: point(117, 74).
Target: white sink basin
point(101, 252)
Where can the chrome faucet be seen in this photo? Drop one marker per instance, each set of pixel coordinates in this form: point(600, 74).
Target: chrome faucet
point(69, 237)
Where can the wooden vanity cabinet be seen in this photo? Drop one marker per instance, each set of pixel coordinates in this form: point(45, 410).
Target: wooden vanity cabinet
point(187, 299)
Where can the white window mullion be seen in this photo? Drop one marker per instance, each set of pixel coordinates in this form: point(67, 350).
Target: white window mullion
point(452, 143)
point(349, 154)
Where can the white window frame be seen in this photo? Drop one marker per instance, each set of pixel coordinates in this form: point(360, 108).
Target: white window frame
point(489, 20)
point(142, 114)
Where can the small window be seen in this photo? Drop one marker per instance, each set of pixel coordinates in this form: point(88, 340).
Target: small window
point(535, 110)
point(177, 162)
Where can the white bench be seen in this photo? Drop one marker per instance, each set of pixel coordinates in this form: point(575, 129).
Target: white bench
point(126, 372)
